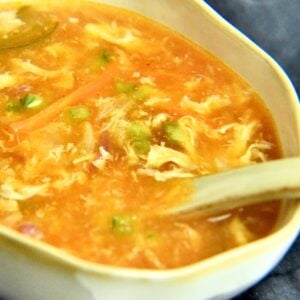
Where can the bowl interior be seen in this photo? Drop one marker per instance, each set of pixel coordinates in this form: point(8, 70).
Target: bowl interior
point(196, 21)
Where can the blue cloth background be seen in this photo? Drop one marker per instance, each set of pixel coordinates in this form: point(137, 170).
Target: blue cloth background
point(275, 26)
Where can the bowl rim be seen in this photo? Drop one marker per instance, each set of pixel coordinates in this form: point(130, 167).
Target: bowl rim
point(202, 268)
point(205, 266)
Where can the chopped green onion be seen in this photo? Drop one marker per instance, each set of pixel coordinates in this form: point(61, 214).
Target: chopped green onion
point(32, 101)
point(138, 93)
point(29, 101)
point(13, 106)
point(139, 135)
point(123, 224)
point(139, 131)
point(124, 87)
point(141, 147)
point(180, 134)
point(102, 59)
point(142, 93)
point(150, 235)
point(174, 133)
point(78, 113)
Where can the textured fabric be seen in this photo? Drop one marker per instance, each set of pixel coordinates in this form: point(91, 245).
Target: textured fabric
point(283, 283)
point(275, 26)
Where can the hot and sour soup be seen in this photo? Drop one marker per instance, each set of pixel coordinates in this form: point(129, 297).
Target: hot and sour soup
point(105, 119)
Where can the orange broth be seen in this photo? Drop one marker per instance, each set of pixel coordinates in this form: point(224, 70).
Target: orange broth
point(95, 178)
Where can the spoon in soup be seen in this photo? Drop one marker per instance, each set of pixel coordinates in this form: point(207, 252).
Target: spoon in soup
point(277, 179)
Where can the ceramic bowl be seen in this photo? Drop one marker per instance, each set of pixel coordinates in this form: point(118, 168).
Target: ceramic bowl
point(31, 270)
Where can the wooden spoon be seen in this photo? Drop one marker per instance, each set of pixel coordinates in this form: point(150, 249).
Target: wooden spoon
point(277, 179)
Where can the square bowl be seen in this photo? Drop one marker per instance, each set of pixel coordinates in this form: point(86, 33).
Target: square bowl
point(33, 270)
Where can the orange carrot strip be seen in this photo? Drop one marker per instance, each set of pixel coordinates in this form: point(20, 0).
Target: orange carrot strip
point(43, 117)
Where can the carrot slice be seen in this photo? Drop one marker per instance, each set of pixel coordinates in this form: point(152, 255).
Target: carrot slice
point(85, 92)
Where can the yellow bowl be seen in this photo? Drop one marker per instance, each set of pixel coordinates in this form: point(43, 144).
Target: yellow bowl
point(33, 270)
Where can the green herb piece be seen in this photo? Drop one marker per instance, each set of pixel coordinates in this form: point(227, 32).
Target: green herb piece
point(139, 135)
point(181, 134)
point(32, 101)
point(139, 131)
point(123, 224)
point(78, 113)
point(142, 93)
point(102, 59)
point(150, 235)
point(137, 93)
point(141, 147)
point(13, 106)
point(125, 87)
point(174, 133)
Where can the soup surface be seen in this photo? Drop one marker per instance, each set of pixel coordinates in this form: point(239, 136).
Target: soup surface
point(105, 118)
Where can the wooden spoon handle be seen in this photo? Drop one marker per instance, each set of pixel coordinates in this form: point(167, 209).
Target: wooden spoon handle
point(278, 179)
